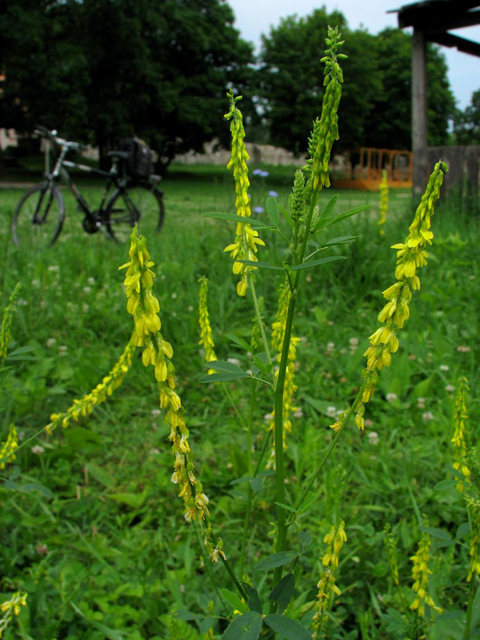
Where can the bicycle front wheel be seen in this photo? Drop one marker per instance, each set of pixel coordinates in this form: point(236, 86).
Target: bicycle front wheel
point(38, 217)
point(140, 204)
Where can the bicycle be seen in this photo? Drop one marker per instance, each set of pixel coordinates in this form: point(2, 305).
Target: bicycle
point(39, 216)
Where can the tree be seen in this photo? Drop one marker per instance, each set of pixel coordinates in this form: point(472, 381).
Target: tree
point(375, 107)
point(390, 123)
point(467, 122)
point(105, 69)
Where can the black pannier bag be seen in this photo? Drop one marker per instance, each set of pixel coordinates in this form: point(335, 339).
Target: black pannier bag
point(140, 162)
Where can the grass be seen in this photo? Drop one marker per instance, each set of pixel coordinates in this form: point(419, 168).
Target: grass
point(108, 554)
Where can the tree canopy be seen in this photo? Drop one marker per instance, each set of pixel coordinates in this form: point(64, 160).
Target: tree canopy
point(467, 122)
point(103, 69)
point(376, 103)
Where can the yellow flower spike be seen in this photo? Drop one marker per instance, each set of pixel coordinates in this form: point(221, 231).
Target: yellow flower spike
point(206, 339)
point(326, 586)
point(158, 352)
point(7, 450)
point(246, 241)
point(460, 420)
point(109, 384)
point(410, 257)
point(420, 573)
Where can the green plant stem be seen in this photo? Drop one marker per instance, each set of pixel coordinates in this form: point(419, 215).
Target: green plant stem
point(332, 446)
point(262, 329)
point(248, 510)
point(298, 255)
point(234, 578)
point(208, 569)
point(234, 406)
point(471, 597)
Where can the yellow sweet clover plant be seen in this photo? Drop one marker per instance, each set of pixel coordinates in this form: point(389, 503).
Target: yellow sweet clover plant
point(460, 419)
point(157, 352)
point(102, 391)
point(382, 218)
point(245, 245)
point(326, 586)
point(206, 338)
point(11, 608)
point(411, 256)
point(8, 448)
point(5, 329)
point(420, 574)
point(278, 335)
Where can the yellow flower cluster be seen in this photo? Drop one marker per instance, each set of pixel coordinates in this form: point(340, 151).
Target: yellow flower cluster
point(326, 585)
point(206, 339)
point(5, 329)
point(475, 540)
point(246, 239)
point(104, 389)
point(411, 256)
point(144, 307)
point(278, 333)
point(8, 448)
point(391, 546)
point(10, 608)
point(383, 202)
point(420, 573)
point(460, 420)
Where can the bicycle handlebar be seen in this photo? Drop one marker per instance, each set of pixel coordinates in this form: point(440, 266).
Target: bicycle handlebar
point(43, 132)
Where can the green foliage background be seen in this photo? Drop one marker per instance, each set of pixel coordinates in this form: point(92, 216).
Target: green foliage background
point(109, 555)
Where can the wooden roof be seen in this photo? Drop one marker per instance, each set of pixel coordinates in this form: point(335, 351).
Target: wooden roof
point(435, 18)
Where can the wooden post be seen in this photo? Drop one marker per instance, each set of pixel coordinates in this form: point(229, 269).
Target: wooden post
point(419, 107)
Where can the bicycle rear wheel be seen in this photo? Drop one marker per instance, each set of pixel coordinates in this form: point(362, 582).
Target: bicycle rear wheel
point(140, 204)
point(38, 217)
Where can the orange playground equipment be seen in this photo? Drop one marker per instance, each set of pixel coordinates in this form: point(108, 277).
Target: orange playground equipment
point(363, 169)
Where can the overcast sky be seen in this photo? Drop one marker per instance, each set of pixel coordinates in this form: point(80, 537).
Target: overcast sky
point(254, 17)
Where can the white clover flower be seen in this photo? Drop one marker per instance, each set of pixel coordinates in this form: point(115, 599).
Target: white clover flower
point(234, 361)
point(444, 367)
point(450, 388)
point(37, 450)
point(91, 280)
point(373, 437)
point(391, 397)
point(51, 342)
point(428, 415)
point(331, 411)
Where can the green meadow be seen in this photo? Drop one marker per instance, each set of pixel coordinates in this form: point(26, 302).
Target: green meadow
point(91, 526)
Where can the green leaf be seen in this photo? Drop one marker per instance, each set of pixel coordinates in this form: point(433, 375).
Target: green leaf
point(437, 533)
point(287, 216)
point(341, 240)
point(445, 485)
point(232, 217)
point(348, 214)
point(305, 539)
point(314, 263)
point(256, 484)
point(463, 530)
point(286, 507)
point(223, 377)
point(246, 627)
point(276, 560)
point(234, 601)
point(253, 600)
point(35, 486)
point(260, 265)
point(134, 500)
point(327, 212)
point(238, 341)
point(290, 629)
point(100, 475)
point(261, 364)
point(272, 210)
point(109, 633)
point(283, 591)
point(224, 366)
